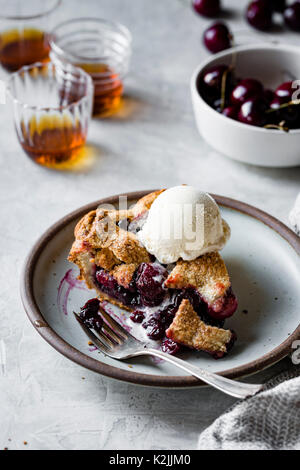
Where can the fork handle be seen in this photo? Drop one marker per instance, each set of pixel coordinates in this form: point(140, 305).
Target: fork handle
point(228, 386)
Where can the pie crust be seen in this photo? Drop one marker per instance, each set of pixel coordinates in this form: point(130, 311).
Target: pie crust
point(101, 242)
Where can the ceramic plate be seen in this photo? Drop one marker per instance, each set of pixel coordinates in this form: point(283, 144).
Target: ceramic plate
point(262, 257)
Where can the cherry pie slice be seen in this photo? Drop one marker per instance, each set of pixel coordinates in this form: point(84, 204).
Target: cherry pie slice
point(185, 303)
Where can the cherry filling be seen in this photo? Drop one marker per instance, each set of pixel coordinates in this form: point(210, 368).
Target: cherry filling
point(154, 306)
point(89, 313)
point(109, 286)
point(224, 307)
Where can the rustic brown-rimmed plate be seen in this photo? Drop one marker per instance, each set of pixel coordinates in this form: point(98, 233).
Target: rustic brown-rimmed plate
point(262, 257)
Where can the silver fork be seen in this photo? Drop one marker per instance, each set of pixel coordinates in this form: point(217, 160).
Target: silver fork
point(114, 341)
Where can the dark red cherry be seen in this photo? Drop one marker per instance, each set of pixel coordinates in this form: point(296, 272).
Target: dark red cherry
point(274, 117)
point(154, 328)
point(245, 89)
point(277, 5)
point(137, 316)
point(231, 112)
point(217, 37)
point(268, 96)
point(91, 307)
point(106, 280)
point(253, 112)
point(89, 313)
point(149, 282)
point(210, 8)
point(292, 16)
point(217, 104)
point(259, 14)
point(285, 91)
point(209, 84)
point(212, 78)
point(275, 103)
point(290, 115)
point(169, 346)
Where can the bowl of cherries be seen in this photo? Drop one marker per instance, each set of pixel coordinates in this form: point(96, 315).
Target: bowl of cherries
point(247, 103)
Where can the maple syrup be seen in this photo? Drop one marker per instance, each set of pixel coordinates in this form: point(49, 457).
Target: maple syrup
point(52, 140)
point(23, 47)
point(102, 49)
point(108, 88)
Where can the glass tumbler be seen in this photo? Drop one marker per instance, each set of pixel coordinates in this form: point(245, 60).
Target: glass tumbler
point(101, 48)
point(52, 109)
point(24, 31)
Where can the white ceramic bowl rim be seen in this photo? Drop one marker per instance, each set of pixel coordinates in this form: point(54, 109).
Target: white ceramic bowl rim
point(228, 52)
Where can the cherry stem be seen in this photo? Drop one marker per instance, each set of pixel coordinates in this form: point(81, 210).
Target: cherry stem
point(223, 89)
point(284, 105)
point(280, 126)
point(224, 76)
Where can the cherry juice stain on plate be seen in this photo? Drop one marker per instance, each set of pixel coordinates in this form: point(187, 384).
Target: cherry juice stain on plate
point(66, 285)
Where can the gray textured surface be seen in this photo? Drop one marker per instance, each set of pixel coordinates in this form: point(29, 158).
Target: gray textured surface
point(44, 399)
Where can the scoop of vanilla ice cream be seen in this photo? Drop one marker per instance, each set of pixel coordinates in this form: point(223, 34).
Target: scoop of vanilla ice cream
point(183, 222)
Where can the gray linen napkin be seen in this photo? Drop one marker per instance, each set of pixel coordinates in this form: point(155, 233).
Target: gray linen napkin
point(267, 421)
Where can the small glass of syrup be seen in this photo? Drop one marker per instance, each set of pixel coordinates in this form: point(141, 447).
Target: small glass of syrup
point(24, 32)
point(52, 110)
point(101, 48)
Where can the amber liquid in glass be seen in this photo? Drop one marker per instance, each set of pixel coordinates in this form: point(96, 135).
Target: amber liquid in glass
point(18, 48)
point(108, 88)
point(52, 140)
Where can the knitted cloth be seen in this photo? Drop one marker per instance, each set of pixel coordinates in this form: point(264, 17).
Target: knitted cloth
point(267, 421)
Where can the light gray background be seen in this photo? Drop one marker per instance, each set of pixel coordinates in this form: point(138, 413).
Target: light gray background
point(43, 397)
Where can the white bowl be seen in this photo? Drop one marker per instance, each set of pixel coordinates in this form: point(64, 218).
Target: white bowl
point(272, 64)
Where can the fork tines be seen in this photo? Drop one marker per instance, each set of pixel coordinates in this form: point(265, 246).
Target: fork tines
point(111, 335)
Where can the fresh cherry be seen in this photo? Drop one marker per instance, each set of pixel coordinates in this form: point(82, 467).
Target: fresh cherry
point(217, 104)
point(289, 115)
point(259, 14)
point(292, 16)
point(212, 78)
point(277, 5)
point(253, 112)
point(268, 95)
point(231, 112)
point(275, 103)
point(285, 91)
point(210, 8)
point(245, 89)
point(217, 37)
point(209, 84)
